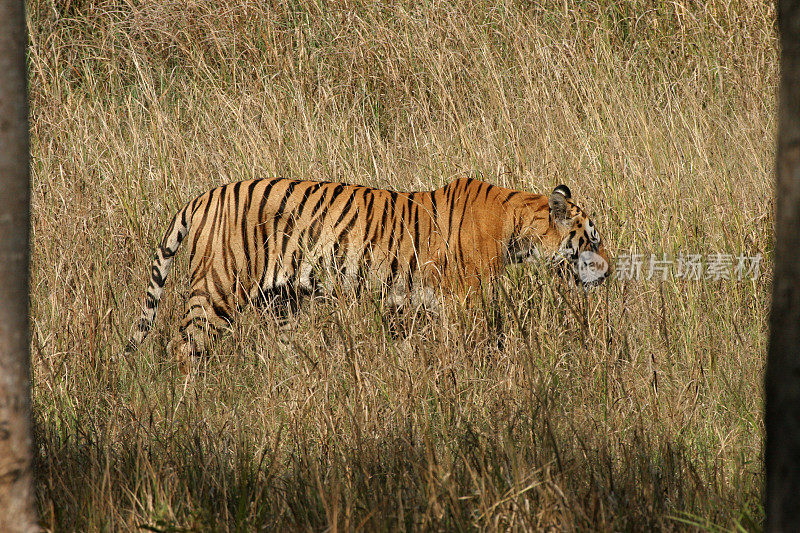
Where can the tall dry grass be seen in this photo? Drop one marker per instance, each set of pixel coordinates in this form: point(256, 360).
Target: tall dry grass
point(634, 407)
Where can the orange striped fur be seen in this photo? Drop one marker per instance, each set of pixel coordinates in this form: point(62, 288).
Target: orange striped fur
point(275, 239)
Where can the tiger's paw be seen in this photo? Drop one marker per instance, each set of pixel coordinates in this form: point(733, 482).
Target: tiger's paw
point(184, 351)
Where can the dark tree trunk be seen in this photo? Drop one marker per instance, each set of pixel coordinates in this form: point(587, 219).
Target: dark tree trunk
point(16, 487)
point(782, 382)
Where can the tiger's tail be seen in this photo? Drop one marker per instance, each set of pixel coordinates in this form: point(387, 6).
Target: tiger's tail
point(159, 269)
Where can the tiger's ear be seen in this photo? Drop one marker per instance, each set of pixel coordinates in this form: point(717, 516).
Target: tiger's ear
point(559, 209)
point(563, 189)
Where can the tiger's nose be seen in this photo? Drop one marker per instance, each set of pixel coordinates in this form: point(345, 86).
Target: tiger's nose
point(592, 267)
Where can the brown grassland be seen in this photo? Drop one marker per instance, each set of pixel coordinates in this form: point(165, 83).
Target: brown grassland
point(633, 407)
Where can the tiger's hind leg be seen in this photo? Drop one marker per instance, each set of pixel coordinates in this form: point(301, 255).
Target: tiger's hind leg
point(202, 321)
point(282, 305)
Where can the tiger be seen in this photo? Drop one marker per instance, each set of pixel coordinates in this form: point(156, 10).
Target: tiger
point(279, 239)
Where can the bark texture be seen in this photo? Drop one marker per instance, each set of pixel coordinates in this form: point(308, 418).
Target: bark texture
point(17, 510)
point(782, 381)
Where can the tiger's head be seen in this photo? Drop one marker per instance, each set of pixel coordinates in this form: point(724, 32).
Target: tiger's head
point(557, 229)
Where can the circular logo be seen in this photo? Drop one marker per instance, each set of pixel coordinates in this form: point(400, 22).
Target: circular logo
point(591, 267)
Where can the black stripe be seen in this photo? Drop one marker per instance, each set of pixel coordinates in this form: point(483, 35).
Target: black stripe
point(265, 198)
point(204, 323)
point(511, 195)
point(451, 205)
point(489, 187)
point(193, 307)
point(260, 224)
point(267, 262)
point(383, 218)
point(199, 293)
point(370, 212)
point(218, 285)
point(347, 207)
point(226, 227)
point(321, 199)
point(371, 231)
point(434, 209)
point(341, 239)
point(299, 215)
point(479, 187)
point(312, 188)
point(236, 187)
point(181, 232)
point(319, 220)
point(287, 231)
point(393, 224)
point(309, 229)
point(319, 215)
point(183, 220)
point(220, 211)
point(460, 229)
point(221, 312)
point(155, 275)
point(169, 231)
point(275, 221)
point(282, 206)
point(245, 224)
point(209, 202)
point(337, 191)
point(399, 233)
point(416, 230)
point(166, 252)
point(346, 230)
